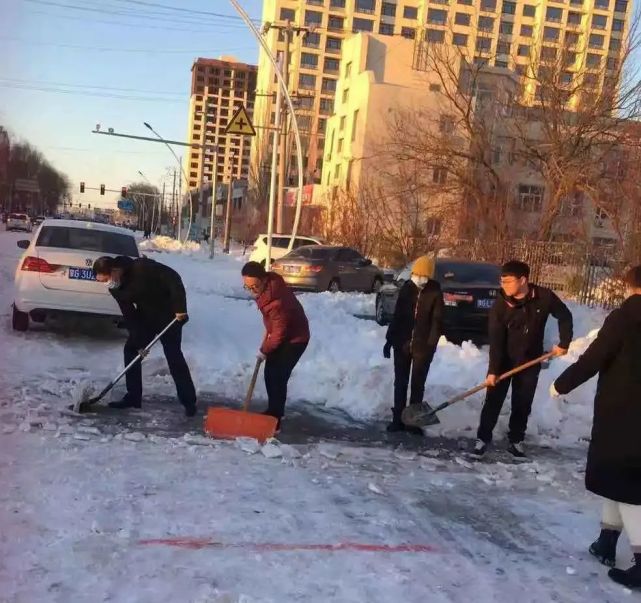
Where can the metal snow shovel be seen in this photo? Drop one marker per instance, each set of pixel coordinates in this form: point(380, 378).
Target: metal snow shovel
point(83, 404)
point(417, 415)
point(228, 423)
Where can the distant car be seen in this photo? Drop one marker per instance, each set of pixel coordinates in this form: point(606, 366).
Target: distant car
point(324, 268)
point(38, 220)
point(280, 245)
point(19, 222)
point(469, 290)
point(55, 273)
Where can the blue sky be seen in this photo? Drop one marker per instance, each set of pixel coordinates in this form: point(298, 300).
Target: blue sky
point(70, 64)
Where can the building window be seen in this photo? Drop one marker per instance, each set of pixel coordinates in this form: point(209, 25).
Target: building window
point(313, 18)
point(308, 61)
point(488, 5)
point(436, 16)
point(483, 44)
point(501, 64)
point(569, 58)
point(599, 22)
point(621, 6)
point(322, 126)
point(331, 65)
point(618, 25)
point(480, 61)
point(333, 45)
point(328, 85)
point(362, 25)
point(509, 8)
point(365, 6)
point(503, 48)
point(506, 28)
point(287, 14)
point(596, 41)
point(593, 60)
point(566, 78)
point(551, 34)
point(554, 14)
point(306, 81)
point(435, 87)
point(446, 124)
point(339, 145)
point(527, 31)
point(337, 3)
point(435, 36)
point(408, 32)
point(459, 39)
point(602, 4)
point(386, 29)
point(615, 44)
point(389, 10)
point(612, 64)
point(354, 125)
point(530, 198)
point(574, 18)
point(348, 69)
point(326, 106)
point(486, 23)
point(433, 227)
point(311, 40)
point(529, 10)
point(462, 19)
point(439, 175)
point(410, 12)
point(345, 96)
point(523, 50)
point(571, 39)
point(466, 2)
point(548, 53)
point(335, 23)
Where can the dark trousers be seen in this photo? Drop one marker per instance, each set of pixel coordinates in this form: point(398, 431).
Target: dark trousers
point(278, 369)
point(177, 364)
point(406, 366)
point(523, 390)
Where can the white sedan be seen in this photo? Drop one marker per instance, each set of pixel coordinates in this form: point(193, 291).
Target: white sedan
point(19, 222)
point(55, 273)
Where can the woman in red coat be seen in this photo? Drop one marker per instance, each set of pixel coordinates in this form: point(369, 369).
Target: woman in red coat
point(286, 332)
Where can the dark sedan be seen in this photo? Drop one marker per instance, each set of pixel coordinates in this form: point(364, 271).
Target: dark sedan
point(325, 268)
point(469, 290)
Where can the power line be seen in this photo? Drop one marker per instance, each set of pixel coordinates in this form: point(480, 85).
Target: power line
point(185, 10)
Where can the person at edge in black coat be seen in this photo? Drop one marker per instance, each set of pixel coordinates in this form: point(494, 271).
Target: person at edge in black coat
point(613, 469)
point(414, 332)
point(516, 330)
point(150, 296)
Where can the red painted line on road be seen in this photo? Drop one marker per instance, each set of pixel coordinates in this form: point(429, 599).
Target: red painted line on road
point(267, 547)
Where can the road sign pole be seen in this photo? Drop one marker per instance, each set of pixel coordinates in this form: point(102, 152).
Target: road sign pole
point(212, 217)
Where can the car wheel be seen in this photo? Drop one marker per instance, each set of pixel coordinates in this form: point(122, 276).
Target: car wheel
point(19, 320)
point(381, 319)
point(376, 286)
point(334, 286)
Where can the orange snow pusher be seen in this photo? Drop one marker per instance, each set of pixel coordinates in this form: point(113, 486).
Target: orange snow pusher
point(228, 423)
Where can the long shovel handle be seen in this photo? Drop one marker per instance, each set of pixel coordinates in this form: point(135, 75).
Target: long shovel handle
point(252, 385)
point(124, 371)
point(502, 377)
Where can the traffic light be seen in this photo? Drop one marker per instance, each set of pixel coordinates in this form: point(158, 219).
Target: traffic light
point(89, 206)
point(123, 192)
point(102, 189)
point(82, 187)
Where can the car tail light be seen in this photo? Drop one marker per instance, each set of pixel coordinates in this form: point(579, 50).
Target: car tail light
point(312, 268)
point(276, 266)
point(33, 264)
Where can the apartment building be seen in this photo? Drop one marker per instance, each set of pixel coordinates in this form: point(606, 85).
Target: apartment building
point(314, 64)
point(218, 88)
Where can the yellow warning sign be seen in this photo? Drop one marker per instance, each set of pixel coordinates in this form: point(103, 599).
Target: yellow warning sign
point(240, 123)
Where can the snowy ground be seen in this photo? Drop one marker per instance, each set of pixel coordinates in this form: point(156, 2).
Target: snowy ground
point(92, 510)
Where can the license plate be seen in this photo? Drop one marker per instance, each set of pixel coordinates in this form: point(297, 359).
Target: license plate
point(291, 269)
point(485, 304)
point(82, 274)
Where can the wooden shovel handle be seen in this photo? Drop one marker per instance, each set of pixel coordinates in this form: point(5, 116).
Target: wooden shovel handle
point(252, 385)
point(502, 377)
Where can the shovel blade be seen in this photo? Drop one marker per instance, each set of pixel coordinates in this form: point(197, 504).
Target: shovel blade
point(419, 415)
point(227, 423)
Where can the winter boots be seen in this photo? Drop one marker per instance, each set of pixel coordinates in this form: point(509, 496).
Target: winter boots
point(397, 425)
point(125, 403)
point(630, 578)
point(479, 450)
point(605, 547)
point(517, 450)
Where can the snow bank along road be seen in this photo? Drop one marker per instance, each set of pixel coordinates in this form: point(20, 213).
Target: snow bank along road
point(86, 515)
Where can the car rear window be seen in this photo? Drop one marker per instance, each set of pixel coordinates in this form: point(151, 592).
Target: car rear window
point(17, 216)
point(468, 273)
point(311, 253)
point(87, 239)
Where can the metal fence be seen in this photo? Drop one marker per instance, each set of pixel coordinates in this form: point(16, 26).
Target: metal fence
point(588, 274)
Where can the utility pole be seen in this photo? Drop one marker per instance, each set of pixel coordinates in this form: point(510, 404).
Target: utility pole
point(179, 207)
point(173, 205)
point(212, 216)
point(228, 209)
point(289, 30)
point(162, 207)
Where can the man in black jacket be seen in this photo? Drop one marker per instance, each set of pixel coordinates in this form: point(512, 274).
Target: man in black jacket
point(614, 457)
point(150, 296)
point(516, 331)
point(414, 332)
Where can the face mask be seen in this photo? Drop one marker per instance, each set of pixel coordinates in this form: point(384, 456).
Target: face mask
point(420, 281)
point(112, 284)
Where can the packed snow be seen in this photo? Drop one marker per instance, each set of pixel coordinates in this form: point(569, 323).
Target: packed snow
point(91, 512)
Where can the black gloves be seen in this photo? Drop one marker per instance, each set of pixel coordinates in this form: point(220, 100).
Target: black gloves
point(387, 350)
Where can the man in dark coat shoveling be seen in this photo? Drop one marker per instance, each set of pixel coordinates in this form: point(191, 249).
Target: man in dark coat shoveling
point(286, 332)
point(614, 457)
point(150, 296)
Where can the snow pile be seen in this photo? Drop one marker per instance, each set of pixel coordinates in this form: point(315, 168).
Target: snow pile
point(163, 243)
